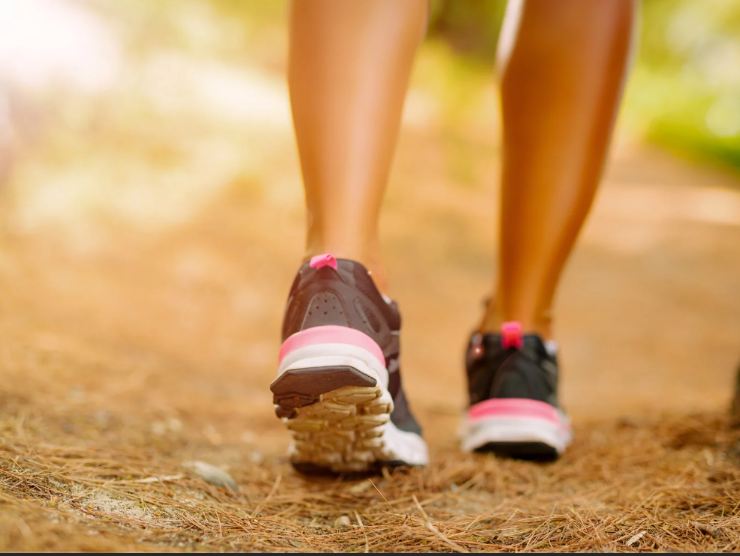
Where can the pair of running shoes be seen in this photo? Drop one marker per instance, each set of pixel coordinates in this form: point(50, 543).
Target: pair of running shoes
point(339, 389)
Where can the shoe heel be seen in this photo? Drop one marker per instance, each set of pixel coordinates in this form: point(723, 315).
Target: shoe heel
point(322, 359)
point(332, 394)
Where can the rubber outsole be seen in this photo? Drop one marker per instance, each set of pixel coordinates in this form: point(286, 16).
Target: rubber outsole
point(530, 451)
point(301, 387)
point(371, 469)
point(337, 417)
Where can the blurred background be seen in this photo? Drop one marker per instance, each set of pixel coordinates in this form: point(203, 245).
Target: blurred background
point(151, 208)
point(151, 221)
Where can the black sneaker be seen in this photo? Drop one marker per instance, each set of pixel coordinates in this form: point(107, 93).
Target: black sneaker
point(339, 383)
point(512, 387)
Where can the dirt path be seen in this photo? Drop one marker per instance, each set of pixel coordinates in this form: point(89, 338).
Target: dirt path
point(148, 235)
point(131, 351)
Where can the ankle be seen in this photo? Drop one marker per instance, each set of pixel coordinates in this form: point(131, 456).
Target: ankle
point(493, 319)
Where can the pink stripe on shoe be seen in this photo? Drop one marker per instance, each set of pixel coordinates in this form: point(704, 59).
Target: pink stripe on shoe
point(331, 334)
point(514, 407)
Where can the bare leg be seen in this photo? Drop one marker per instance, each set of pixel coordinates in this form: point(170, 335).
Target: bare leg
point(563, 65)
point(348, 71)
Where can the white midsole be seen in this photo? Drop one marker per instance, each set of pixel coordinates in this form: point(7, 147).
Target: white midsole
point(335, 354)
point(479, 432)
point(398, 445)
point(404, 446)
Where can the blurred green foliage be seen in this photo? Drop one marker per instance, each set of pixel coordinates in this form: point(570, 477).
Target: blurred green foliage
point(683, 92)
point(471, 28)
point(684, 89)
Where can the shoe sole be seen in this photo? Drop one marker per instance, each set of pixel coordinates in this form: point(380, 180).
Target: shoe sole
point(333, 398)
point(516, 428)
point(530, 451)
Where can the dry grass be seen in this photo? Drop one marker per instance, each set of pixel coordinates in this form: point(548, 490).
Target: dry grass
point(107, 401)
point(123, 366)
point(670, 484)
point(144, 258)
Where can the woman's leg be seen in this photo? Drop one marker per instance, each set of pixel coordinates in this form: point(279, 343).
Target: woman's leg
point(348, 72)
point(349, 66)
point(562, 68)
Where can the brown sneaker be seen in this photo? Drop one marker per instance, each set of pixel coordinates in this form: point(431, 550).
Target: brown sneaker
point(339, 383)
